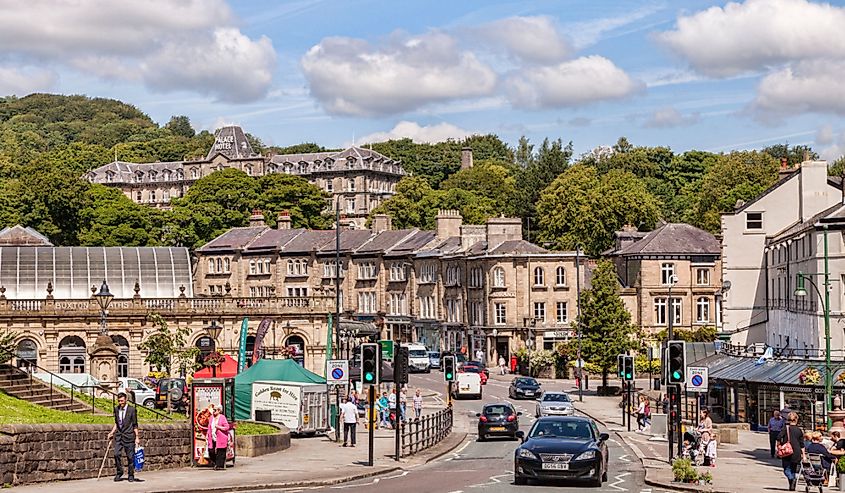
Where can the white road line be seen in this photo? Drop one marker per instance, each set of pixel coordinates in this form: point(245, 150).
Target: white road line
point(373, 482)
point(619, 480)
point(493, 480)
point(624, 458)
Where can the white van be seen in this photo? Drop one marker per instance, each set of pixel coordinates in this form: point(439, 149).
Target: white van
point(418, 358)
point(467, 385)
point(144, 395)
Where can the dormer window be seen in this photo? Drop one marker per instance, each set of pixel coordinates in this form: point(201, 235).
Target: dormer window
point(153, 176)
point(109, 176)
point(139, 177)
point(195, 173)
point(166, 175)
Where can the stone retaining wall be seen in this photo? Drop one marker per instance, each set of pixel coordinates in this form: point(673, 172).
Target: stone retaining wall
point(53, 452)
point(255, 445)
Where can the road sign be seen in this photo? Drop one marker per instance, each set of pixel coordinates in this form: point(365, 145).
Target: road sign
point(386, 350)
point(696, 379)
point(337, 372)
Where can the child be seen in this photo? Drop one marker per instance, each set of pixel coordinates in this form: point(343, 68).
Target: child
point(708, 449)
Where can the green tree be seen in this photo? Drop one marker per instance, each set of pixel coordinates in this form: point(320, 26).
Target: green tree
point(490, 179)
point(701, 334)
point(793, 154)
point(551, 159)
point(606, 325)
point(180, 125)
point(583, 207)
point(304, 148)
point(111, 219)
point(734, 177)
point(305, 201)
point(167, 348)
point(8, 347)
point(837, 168)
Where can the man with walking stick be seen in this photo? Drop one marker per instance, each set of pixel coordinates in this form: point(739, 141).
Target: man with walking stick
point(126, 436)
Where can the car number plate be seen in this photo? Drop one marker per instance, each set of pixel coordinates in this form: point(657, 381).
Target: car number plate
point(529, 392)
point(497, 428)
point(556, 467)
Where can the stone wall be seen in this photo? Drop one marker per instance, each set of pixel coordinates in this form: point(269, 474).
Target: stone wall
point(255, 445)
point(54, 452)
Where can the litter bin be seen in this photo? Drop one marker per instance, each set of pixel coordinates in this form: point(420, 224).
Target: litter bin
point(656, 384)
point(265, 416)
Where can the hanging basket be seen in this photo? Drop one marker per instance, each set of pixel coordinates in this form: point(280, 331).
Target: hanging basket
point(809, 376)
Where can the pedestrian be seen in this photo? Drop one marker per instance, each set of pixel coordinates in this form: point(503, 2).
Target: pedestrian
point(418, 401)
point(776, 424)
point(126, 436)
point(838, 448)
point(646, 413)
point(479, 356)
point(665, 404)
point(791, 449)
point(816, 447)
point(383, 410)
point(403, 405)
point(355, 397)
point(503, 367)
point(640, 413)
point(705, 423)
point(349, 411)
point(217, 437)
point(391, 405)
point(708, 449)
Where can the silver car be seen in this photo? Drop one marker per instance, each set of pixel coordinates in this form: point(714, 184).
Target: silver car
point(554, 404)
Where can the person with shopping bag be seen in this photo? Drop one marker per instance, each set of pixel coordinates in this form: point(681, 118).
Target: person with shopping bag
point(126, 437)
point(790, 449)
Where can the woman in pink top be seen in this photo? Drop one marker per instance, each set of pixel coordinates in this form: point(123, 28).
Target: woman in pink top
point(217, 438)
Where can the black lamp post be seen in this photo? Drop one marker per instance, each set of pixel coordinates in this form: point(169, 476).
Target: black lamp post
point(104, 298)
point(213, 330)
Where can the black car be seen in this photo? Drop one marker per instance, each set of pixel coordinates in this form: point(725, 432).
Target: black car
point(524, 387)
point(565, 447)
point(178, 390)
point(497, 420)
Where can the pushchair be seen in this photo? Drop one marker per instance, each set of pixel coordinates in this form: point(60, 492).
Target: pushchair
point(692, 446)
point(812, 472)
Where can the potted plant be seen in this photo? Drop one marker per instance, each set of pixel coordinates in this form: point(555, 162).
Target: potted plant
point(840, 470)
point(705, 478)
point(683, 471)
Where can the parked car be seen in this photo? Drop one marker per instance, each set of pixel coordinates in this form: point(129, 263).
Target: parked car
point(178, 389)
point(562, 447)
point(467, 368)
point(434, 359)
point(141, 394)
point(524, 388)
point(554, 404)
point(498, 420)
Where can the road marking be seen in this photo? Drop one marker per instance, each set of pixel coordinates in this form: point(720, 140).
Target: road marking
point(619, 480)
point(373, 482)
point(624, 458)
point(493, 480)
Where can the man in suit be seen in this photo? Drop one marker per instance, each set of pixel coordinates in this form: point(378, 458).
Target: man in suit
point(126, 437)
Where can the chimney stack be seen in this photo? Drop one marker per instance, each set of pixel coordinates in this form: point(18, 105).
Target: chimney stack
point(283, 220)
point(448, 223)
point(466, 158)
point(256, 220)
point(381, 223)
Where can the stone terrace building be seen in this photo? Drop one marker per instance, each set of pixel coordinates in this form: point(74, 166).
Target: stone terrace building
point(646, 262)
point(358, 179)
point(473, 286)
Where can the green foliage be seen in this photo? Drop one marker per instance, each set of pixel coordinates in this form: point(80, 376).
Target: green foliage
point(245, 429)
point(166, 348)
point(606, 323)
point(489, 179)
point(701, 334)
point(304, 148)
point(794, 154)
point(837, 168)
point(8, 347)
point(643, 365)
point(109, 218)
point(738, 176)
point(539, 360)
point(181, 126)
point(583, 207)
point(683, 471)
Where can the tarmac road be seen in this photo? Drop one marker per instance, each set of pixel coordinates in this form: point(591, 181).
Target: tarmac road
point(488, 466)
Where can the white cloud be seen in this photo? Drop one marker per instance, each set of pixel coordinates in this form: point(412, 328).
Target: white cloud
point(577, 82)
point(21, 82)
point(351, 77)
point(670, 117)
point(530, 39)
point(825, 136)
point(751, 36)
point(589, 32)
point(156, 42)
point(418, 133)
point(811, 86)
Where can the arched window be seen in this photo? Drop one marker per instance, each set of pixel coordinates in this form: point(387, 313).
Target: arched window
point(248, 170)
point(180, 175)
point(219, 265)
point(195, 173)
point(72, 355)
point(152, 196)
point(211, 266)
point(153, 176)
point(250, 348)
point(139, 177)
point(296, 348)
point(227, 265)
point(123, 357)
point(498, 277)
point(560, 276)
point(165, 175)
point(539, 276)
point(27, 353)
point(138, 196)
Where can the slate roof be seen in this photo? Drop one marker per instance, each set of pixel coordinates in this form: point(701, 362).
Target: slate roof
point(18, 235)
point(673, 238)
point(350, 240)
point(309, 240)
point(518, 247)
point(385, 241)
point(416, 241)
point(231, 142)
point(234, 239)
point(351, 158)
point(272, 239)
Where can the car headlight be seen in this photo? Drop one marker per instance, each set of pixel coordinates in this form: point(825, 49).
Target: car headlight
point(524, 453)
point(590, 454)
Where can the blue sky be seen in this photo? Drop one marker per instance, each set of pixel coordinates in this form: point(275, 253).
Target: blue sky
point(691, 75)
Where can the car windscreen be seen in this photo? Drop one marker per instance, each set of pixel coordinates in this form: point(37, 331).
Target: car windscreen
point(498, 410)
point(561, 429)
point(526, 381)
point(555, 398)
point(433, 354)
point(471, 369)
point(418, 353)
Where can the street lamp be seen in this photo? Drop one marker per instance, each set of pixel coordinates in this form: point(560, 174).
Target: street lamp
point(530, 323)
point(104, 298)
point(670, 307)
point(578, 322)
point(801, 291)
point(213, 330)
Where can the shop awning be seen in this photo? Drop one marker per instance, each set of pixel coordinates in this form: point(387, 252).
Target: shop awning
point(775, 372)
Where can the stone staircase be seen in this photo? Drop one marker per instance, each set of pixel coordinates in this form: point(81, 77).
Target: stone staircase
point(16, 383)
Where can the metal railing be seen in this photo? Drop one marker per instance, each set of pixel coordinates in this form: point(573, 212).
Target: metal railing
point(757, 350)
point(420, 434)
point(57, 396)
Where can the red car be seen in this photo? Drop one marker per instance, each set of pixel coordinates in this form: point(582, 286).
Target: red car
point(478, 365)
point(467, 368)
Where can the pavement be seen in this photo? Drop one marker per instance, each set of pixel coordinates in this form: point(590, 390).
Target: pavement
point(308, 463)
point(743, 467)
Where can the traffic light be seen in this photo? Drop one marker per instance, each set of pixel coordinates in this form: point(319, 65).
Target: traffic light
point(676, 364)
point(620, 366)
point(370, 363)
point(628, 368)
point(400, 365)
point(449, 368)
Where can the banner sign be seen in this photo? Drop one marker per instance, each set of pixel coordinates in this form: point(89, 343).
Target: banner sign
point(242, 345)
point(263, 327)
